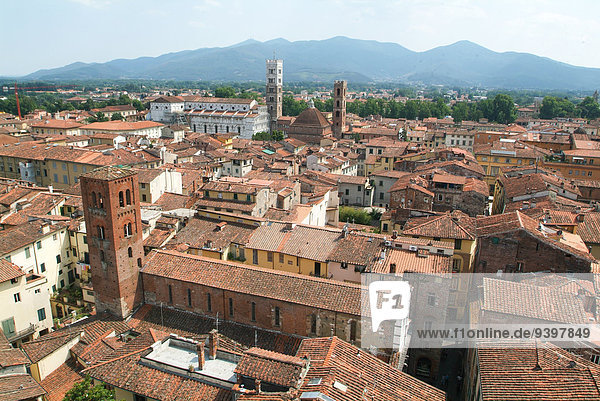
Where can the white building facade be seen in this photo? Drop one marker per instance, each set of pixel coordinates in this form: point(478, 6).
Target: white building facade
point(26, 311)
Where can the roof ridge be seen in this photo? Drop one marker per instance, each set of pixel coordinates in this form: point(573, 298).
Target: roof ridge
point(256, 268)
point(329, 350)
point(117, 358)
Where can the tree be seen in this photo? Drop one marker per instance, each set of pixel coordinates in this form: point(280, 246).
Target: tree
point(589, 108)
point(86, 391)
point(291, 107)
point(98, 118)
point(117, 116)
point(225, 91)
point(503, 109)
point(549, 107)
point(261, 136)
point(356, 216)
point(265, 136)
point(460, 111)
point(277, 135)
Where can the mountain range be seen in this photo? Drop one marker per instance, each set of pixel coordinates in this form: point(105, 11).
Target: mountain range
point(463, 63)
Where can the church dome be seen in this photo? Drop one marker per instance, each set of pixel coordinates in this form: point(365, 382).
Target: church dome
point(311, 116)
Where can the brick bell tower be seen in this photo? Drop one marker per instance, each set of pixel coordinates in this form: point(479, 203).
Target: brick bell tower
point(339, 108)
point(114, 232)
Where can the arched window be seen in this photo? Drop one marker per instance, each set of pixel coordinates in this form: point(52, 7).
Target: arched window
point(121, 199)
point(127, 230)
point(100, 201)
point(353, 329)
point(94, 201)
point(100, 232)
point(338, 103)
point(130, 252)
point(337, 113)
point(128, 196)
point(338, 89)
point(140, 262)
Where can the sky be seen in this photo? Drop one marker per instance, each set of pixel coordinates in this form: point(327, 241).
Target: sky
point(36, 34)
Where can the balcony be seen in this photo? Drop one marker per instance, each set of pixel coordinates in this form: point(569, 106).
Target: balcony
point(22, 333)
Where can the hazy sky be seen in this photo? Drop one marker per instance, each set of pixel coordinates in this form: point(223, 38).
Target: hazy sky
point(52, 33)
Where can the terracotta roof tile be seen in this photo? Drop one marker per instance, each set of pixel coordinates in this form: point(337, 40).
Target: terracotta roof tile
point(308, 242)
point(455, 225)
point(332, 359)
point(510, 374)
point(311, 291)
point(200, 230)
point(271, 367)
point(552, 304)
point(9, 271)
point(18, 387)
point(61, 380)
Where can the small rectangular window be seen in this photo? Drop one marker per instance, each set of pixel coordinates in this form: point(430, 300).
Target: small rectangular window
point(27, 252)
point(277, 316)
point(269, 256)
point(208, 303)
point(38, 244)
point(58, 259)
point(41, 314)
point(253, 314)
point(42, 267)
point(189, 294)
point(170, 294)
point(17, 297)
point(281, 258)
point(230, 306)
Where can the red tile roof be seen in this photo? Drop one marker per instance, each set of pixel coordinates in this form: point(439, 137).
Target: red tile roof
point(19, 387)
point(121, 125)
point(551, 304)
point(288, 287)
point(61, 380)
point(57, 124)
point(271, 367)
point(507, 222)
point(334, 360)
point(455, 225)
point(512, 374)
point(9, 271)
point(414, 262)
point(308, 242)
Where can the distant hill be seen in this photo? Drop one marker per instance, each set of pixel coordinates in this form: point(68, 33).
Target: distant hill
point(463, 63)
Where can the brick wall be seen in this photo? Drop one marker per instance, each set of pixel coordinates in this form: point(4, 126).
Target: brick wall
point(115, 274)
point(294, 318)
point(509, 249)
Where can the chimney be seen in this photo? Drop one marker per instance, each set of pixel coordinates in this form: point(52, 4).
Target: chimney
point(212, 344)
point(200, 352)
point(257, 385)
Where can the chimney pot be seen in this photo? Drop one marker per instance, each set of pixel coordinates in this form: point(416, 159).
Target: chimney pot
point(212, 344)
point(257, 385)
point(201, 357)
